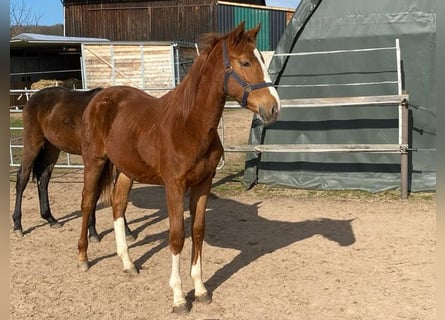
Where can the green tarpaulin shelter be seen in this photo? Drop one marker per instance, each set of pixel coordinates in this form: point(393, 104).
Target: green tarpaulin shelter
point(336, 25)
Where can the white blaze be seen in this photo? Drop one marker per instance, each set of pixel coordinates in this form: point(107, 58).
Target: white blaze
point(266, 76)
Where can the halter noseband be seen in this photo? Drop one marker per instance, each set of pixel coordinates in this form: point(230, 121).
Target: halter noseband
point(247, 87)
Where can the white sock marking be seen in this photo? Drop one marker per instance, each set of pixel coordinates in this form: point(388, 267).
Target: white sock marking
point(196, 274)
point(121, 243)
point(175, 281)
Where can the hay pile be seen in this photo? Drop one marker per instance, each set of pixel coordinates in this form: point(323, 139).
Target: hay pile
point(71, 83)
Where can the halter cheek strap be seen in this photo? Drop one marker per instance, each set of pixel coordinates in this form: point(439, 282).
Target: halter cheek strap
point(247, 87)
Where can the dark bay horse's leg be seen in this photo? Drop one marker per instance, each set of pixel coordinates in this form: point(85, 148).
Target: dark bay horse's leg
point(94, 235)
point(198, 204)
point(128, 232)
point(92, 232)
point(43, 168)
point(31, 150)
point(175, 207)
point(119, 203)
point(23, 174)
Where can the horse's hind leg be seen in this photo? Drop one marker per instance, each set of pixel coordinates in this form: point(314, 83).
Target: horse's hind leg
point(43, 168)
point(94, 235)
point(23, 174)
point(119, 202)
point(198, 204)
point(30, 152)
point(128, 232)
point(90, 195)
point(92, 231)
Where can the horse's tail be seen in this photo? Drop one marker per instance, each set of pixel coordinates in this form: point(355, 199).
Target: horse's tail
point(41, 164)
point(37, 165)
point(105, 184)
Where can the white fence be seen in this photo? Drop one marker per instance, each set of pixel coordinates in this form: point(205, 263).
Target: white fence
point(399, 99)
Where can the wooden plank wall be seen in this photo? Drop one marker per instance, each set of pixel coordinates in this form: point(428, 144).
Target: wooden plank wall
point(144, 66)
point(165, 20)
point(161, 20)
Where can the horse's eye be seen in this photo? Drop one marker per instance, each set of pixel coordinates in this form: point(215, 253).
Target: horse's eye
point(245, 64)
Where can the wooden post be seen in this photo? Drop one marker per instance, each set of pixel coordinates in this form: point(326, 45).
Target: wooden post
point(403, 127)
point(404, 153)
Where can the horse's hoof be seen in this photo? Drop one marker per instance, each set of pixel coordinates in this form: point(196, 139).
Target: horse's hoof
point(55, 225)
point(131, 237)
point(94, 239)
point(131, 271)
point(204, 298)
point(82, 266)
point(181, 309)
point(18, 233)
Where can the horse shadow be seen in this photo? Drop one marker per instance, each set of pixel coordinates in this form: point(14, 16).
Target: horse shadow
point(229, 224)
point(234, 225)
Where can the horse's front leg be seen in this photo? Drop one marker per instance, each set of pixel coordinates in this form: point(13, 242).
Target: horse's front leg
point(198, 204)
point(119, 202)
point(175, 205)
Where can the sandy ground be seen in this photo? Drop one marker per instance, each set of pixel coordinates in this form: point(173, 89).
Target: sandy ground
point(279, 257)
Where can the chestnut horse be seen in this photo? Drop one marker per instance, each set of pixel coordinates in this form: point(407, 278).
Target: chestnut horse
point(171, 141)
point(51, 123)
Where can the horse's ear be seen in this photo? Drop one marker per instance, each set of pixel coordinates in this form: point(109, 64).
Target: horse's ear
point(254, 32)
point(238, 32)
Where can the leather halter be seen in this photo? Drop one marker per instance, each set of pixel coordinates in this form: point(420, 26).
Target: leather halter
point(247, 87)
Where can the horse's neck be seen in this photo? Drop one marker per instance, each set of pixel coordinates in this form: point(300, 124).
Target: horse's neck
point(201, 96)
point(208, 106)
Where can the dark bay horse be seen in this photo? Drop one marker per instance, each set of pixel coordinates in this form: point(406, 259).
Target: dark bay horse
point(171, 141)
point(51, 123)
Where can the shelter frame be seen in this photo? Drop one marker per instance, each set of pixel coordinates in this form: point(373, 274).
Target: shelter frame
point(400, 100)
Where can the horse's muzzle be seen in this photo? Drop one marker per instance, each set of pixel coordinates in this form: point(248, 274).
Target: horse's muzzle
point(269, 115)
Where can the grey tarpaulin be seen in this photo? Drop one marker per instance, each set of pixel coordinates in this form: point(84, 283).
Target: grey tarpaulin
point(321, 25)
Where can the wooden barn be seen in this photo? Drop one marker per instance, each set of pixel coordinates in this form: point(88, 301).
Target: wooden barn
point(146, 44)
point(171, 20)
point(39, 61)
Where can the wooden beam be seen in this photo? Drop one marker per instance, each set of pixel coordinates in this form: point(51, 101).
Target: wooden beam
point(345, 101)
point(371, 148)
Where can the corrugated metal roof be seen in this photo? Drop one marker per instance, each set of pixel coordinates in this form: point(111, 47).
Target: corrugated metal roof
point(44, 38)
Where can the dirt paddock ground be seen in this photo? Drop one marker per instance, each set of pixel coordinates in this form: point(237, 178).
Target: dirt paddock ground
point(267, 255)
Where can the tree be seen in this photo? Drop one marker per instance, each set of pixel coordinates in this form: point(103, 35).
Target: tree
point(22, 17)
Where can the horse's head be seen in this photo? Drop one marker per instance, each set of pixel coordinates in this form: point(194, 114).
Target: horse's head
point(246, 78)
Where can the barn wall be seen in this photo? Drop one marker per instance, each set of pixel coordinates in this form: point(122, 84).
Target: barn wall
point(141, 21)
point(273, 22)
point(152, 67)
point(168, 20)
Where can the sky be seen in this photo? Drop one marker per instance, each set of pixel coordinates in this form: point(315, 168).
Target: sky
point(51, 11)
